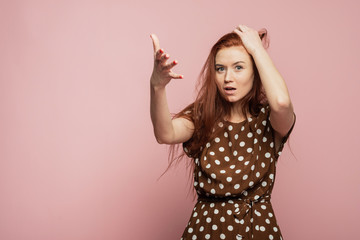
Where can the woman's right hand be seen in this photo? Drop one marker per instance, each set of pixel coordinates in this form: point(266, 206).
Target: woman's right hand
point(162, 73)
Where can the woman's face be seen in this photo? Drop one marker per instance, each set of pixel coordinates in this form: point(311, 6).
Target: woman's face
point(234, 74)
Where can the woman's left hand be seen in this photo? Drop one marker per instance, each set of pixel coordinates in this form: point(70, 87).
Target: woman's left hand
point(250, 38)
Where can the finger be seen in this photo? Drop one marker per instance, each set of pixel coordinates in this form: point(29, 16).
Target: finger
point(171, 65)
point(155, 40)
point(238, 31)
point(176, 76)
point(163, 58)
point(159, 53)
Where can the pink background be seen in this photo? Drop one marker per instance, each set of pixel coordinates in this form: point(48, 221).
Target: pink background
point(78, 158)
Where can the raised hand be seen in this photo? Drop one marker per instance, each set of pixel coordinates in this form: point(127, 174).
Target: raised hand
point(250, 38)
point(162, 73)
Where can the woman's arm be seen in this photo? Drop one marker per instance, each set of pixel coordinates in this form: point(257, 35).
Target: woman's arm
point(282, 112)
point(166, 130)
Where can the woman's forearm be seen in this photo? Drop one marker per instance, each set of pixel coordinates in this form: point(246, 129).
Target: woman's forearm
point(160, 114)
point(274, 84)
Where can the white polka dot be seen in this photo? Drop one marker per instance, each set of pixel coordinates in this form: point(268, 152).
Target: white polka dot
point(201, 185)
point(251, 183)
point(208, 145)
point(249, 150)
point(237, 186)
point(236, 136)
point(227, 194)
point(197, 221)
point(238, 171)
point(195, 214)
point(230, 127)
point(235, 153)
point(217, 139)
point(222, 236)
point(247, 229)
point(204, 158)
point(264, 122)
point(227, 158)
point(217, 162)
point(257, 174)
point(232, 166)
point(257, 227)
point(271, 237)
point(263, 207)
point(267, 221)
point(242, 221)
point(194, 237)
point(213, 175)
point(212, 191)
point(195, 184)
point(267, 155)
point(270, 214)
point(230, 228)
point(208, 220)
point(258, 131)
point(201, 229)
point(272, 144)
point(220, 124)
point(221, 149)
point(249, 135)
point(242, 143)
point(229, 179)
point(246, 163)
point(222, 219)
point(226, 134)
point(190, 230)
point(255, 140)
point(262, 164)
point(208, 165)
point(240, 158)
point(263, 109)
point(257, 213)
point(245, 177)
point(205, 213)
point(212, 205)
point(252, 167)
point(222, 171)
point(256, 197)
point(275, 229)
point(230, 144)
point(207, 236)
point(216, 211)
point(214, 227)
point(264, 139)
point(229, 212)
point(221, 186)
point(271, 176)
point(212, 153)
point(264, 184)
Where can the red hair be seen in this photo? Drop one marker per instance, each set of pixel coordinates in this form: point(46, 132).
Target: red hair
point(210, 107)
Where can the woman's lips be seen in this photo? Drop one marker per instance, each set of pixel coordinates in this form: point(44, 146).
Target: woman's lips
point(229, 91)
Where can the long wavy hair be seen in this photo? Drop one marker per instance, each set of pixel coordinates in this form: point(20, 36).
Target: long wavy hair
point(210, 107)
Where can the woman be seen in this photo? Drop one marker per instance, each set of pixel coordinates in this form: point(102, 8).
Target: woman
point(234, 132)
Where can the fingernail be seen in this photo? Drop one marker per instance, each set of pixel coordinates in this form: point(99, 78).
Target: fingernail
point(175, 62)
point(181, 76)
point(161, 51)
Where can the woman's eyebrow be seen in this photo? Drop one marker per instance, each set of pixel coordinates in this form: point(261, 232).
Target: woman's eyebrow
point(217, 64)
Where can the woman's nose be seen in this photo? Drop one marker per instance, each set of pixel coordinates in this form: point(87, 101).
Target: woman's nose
point(228, 76)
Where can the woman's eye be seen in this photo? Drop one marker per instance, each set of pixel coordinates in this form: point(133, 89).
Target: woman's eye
point(219, 69)
point(238, 67)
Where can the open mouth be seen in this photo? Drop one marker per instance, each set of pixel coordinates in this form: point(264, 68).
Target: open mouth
point(229, 90)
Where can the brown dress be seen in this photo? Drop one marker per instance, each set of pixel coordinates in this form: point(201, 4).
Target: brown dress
point(234, 178)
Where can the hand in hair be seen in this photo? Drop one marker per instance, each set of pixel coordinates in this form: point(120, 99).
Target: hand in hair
point(162, 73)
point(250, 37)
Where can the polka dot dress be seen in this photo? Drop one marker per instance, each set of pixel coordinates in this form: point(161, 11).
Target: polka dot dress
point(234, 178)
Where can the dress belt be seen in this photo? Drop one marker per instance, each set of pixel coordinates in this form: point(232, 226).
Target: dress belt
point(241, 213)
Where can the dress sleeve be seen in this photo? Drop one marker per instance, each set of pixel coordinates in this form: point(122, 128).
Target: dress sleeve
point(285, 138)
